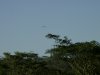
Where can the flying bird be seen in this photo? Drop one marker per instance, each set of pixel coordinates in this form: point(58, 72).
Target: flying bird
point(43, 26)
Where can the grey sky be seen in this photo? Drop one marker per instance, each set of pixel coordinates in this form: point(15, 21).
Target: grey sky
point(24, 23)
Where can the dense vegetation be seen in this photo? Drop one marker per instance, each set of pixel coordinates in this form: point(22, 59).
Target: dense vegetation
point(66, 58)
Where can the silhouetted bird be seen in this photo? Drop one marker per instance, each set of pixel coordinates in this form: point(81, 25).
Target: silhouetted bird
point(43, 26)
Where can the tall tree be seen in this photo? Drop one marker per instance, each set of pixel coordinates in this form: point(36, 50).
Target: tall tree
point(80, 56)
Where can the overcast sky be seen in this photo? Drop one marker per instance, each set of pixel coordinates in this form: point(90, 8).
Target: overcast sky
point(24, 23)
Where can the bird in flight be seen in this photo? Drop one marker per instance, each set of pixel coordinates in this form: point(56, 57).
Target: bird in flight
point(43, 26)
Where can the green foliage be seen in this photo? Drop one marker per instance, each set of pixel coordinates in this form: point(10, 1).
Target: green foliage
point(66, 58)
point(82, 57)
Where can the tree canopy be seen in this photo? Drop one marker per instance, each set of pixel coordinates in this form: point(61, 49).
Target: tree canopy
point(66, 58)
